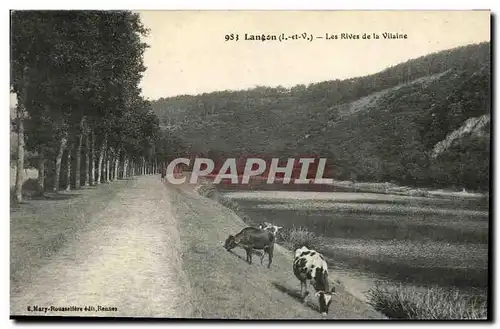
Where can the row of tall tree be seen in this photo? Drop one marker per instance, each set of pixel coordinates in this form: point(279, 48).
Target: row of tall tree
point(79, 107)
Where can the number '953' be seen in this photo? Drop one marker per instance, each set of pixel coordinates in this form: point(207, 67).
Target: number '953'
point(232, 37)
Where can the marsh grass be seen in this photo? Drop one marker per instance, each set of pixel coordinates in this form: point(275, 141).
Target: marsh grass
point(412, 303)
point(297, 237)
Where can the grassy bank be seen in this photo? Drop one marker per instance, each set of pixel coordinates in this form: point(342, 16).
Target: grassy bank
point(226, 286)
point(406, 301)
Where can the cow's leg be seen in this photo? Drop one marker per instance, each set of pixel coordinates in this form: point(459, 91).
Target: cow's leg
point(305, 291)
point(270, 252)
point(249, 251)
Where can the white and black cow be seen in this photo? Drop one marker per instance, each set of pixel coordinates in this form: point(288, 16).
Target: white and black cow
point(309, 265)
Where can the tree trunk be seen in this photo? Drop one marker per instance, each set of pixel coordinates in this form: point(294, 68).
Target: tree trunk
point(78, 158)
point(100, 168)
point(117, 163)
point(107, 165)
point(20, 155)
point(125, 167)
point(59, 156)
point(111, 157)
point(92, 155)
point(104, 166)
point(49, 168)
point(41, 172)
point(68, 171)
point(86, 179)
point(20, 114)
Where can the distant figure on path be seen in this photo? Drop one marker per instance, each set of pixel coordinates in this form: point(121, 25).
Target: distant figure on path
point(163, 172)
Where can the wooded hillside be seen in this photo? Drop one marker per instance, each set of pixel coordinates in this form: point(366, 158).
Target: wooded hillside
point(381, 127)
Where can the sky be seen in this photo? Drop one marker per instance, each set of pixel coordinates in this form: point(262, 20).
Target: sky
point(188, 53)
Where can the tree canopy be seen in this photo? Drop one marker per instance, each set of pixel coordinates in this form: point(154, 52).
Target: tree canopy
point(76, 75)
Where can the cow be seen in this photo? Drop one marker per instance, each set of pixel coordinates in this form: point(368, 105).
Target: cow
point(309, 265)
point(271, 228)
point(251, 238)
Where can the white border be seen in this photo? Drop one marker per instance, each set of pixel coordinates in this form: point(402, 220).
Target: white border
point(257, 4)
point(200, 5)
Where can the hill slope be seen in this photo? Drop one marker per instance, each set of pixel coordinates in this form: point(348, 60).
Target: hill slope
point(382, 127)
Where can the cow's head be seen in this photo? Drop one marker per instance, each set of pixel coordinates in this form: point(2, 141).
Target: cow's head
point(299, 251)
point(324, 300)
point(230, 243)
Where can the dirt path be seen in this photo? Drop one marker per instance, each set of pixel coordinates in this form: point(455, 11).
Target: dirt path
point(225, 286)
point(128, 260)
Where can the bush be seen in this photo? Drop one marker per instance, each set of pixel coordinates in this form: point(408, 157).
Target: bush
point(408, 302)
point(229, 203)
point(298, 237)
point(206, 189)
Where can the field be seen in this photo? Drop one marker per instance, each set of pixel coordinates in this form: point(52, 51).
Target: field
point(389, 240)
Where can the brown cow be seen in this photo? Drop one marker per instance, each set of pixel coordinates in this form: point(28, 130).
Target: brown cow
point(251, 238)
